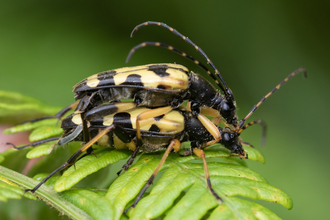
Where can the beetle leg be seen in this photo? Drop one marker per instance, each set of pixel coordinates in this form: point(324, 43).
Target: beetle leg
point(210, 112)
point(175, 144)
point(210, 127)
point(130, 160)
point(59, 115)
point(34, 144)
point(200, 153)
point(246, 143)
point(143, 116)
point(118, 130)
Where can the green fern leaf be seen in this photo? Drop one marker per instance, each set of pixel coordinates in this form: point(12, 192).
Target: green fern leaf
point(10, 190)
point(227, 179)
point(44, 132)
point(44, 193)
point(93, 204)
point(88, 165)
point(30, 126)
point(15, 108)
point(41, 150)
point(243, 210)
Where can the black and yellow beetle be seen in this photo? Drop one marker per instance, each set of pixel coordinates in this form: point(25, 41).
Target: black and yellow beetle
point(152, 129)
point(199, 130)
point(123, 128)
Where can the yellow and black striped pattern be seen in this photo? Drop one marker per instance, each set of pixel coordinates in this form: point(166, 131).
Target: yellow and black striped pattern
point(164, 76)
point(168, 124)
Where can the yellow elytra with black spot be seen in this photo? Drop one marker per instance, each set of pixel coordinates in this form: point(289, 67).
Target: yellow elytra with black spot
point(153, 85)
point(167, 124)
point(167, 77)
point(156, 131)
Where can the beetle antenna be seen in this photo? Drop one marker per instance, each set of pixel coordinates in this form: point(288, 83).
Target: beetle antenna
point(169, 47)
point(264, 130)
point(241, 123)
point(226, 90)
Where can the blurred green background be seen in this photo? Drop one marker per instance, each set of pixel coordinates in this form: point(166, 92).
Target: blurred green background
point(47, 47)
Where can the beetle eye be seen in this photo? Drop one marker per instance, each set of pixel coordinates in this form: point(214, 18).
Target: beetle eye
point(227, 111)
point(226, 136)
point(225, 108)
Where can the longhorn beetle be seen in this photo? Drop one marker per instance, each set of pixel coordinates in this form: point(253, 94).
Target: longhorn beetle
point(148, 138)
point(196, 129)
point(76, 118)
point(141, 130)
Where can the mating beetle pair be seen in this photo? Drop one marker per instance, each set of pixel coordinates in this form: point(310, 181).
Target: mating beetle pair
point(168, 87)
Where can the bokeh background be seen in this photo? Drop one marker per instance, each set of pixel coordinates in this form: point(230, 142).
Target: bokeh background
point(47, 47)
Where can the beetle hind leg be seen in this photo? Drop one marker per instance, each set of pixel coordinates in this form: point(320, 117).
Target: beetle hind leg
point(174, 145)
point(58, 115)
point(200, 153)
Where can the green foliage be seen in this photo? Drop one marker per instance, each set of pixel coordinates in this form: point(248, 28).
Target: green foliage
point(10, 190)
point(179, 193)
point(15, 108)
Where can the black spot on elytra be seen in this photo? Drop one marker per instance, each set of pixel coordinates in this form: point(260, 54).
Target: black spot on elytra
point(164, 87)
point(133, 79)
point(154, 128)
point(123, 119)
point(106, 78)
point(106, 75)
point(160, 70)
point(159, 117)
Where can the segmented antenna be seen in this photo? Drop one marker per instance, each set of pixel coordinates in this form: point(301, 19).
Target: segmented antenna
point(241, 123)
point(217, 73)
point(169, 47)
point(264, 130)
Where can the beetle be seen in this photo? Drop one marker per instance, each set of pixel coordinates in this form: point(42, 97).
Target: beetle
point(163, 85)
point(76, 120)
point(165, 131)
point(128, 123)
